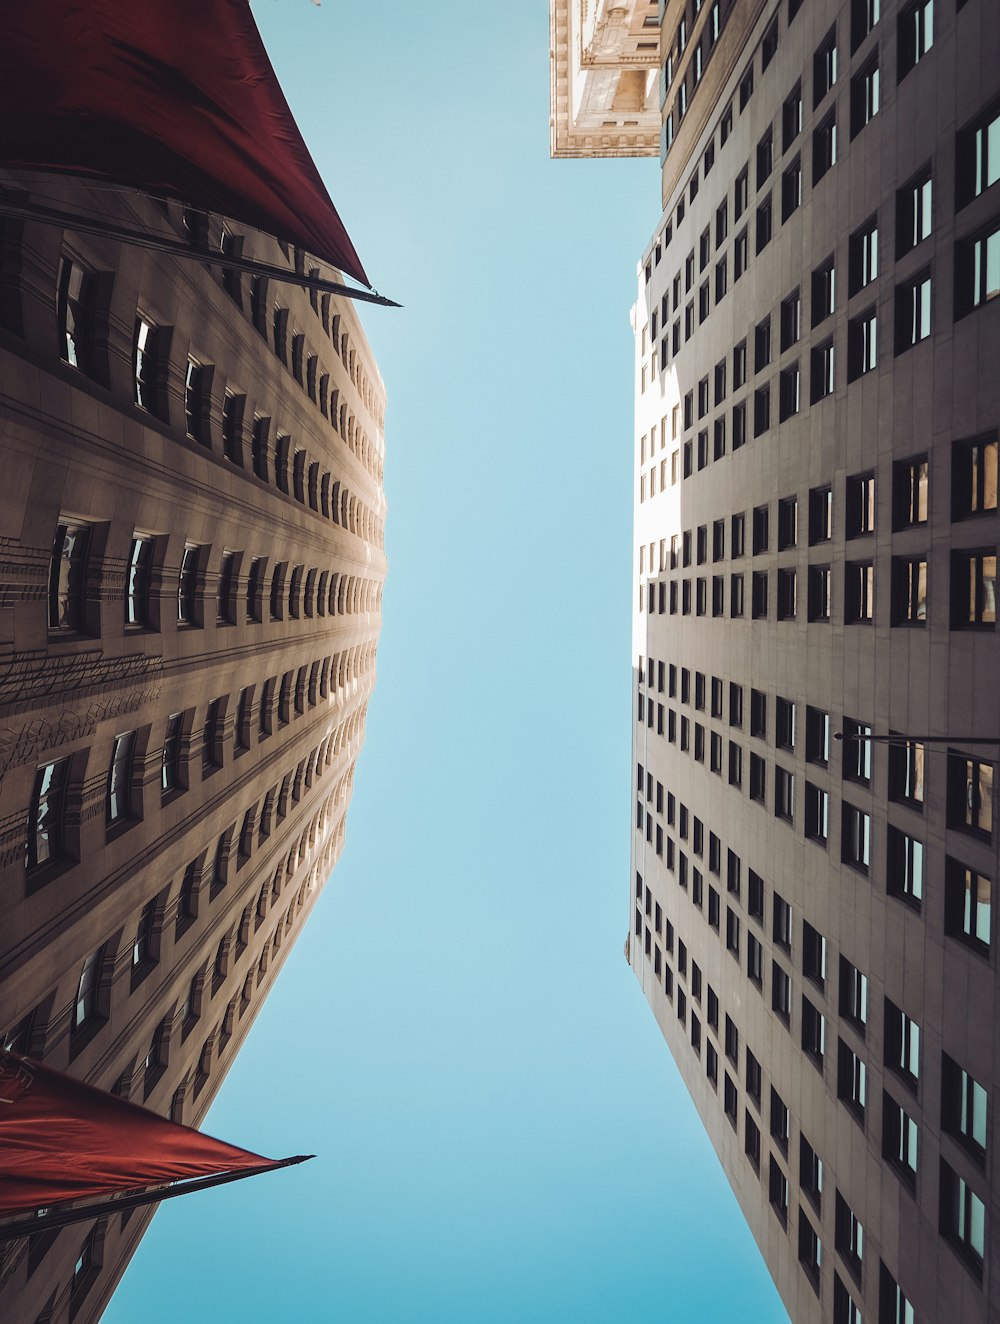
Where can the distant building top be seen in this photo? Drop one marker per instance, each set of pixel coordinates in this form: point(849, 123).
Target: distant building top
point(604, 57)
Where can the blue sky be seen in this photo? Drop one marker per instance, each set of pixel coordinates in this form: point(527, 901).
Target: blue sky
point(501, 1131)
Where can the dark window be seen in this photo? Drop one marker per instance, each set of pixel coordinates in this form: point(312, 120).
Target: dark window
point(963, 1219)
point(77, 291)
point(859, 592)
point(825, 66)
point(964, 1108)
point(974, 589)
point(862, 264)
point(968, 905)
point(970, 795)
point(865, 95)
point(913, 312)
point(148, 365)
point(791, 117)
point(824, 147)
point(137, 581)
point(119, 795)
point(910, 479)
point(820, 514)
point(170, 765)
point(68, 577)
point(187, 586)
point(914, 212)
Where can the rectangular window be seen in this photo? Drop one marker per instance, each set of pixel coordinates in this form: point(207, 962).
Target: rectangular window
point(915, 35)
point(817, 808)
point(46, 844)
point(862, 344)
point(187, 586)
point(813, 954)
point(964, 1105)
point(859, 592)
point(853, 995)
point(824, 147)
point(825, 66)
point(974, 589)
point(789, 393)
point(902, 1044)
point(77, 289)
point(913, 312)
point(849, 1236)
point(813, 1032)
point(785, 723)
point(864, 16)
point(909, 590)
point(914, 213)
point(119, 797)
point(963, 1219)
point(824, 292)
point(978, 156)
point(906, 772)
point(820, 514)
point(968, 905)
point(147, 366)
point(863, 256)
point(777, 1189)
point(68, 578)
point(857, 747)
point(791, 117)
point(822, 372)
point(137, 581)
point(910, 481)
point(170, 765)
point(810, 1172)
point(852, 1080)
point(856, 837)
point(784, 794)
point(791, 189)
point(970, 795)
point(865, 95)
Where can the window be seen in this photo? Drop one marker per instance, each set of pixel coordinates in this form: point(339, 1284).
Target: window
point(970, 795)
point(963, 1219)
point(741, 192)
point(233, 406)
point(853, 995)
point(825, 66)
point(68, 577)
point(226, 590)
point(915, 35)
point(77, 290)
point(148, 366)
point(824, 147)
point(813, 1032)
point(906, 772)
point(913, 213)
point(777, 1190)
point(755, 896)
point(735, 704)
point(791, 117)
point(909, 590)
point(820, 514)
point(822, 371)
point(813, 954)
point(862, 344)
point(758, 714)
point(137, 578)
point(782, 926)
point(754, 960)
point(974, 477)
point(789, 393)
point(784, 732)
point(144, 943)
point(910, 480)
point(751, 1143)
point(859, 592)
point(187, 585)
point(857, 748)
point(45, 843)
point(817, 808)
point(197, 399)
point(779, 1121)
point(893, 1305)
point(769, 43)
point(865, 96)
point(913, 312)
point(735, 764)
point(856, 829)
point(973, 589)
point(736, 596)
point(746, 86)
point(844, 1309)
point(964, 1108)
point(86, 1008)
point(849, 1236)
point(810, 1172)
point(968, 905)
point(852, 1080)
point(862, 267)
point(977, 270)
point(902, 1044)
point(864, 16)
point(170, 764)
point(978, 156)
point(860, 491)
point(784, 794)
point(119, 797)
point(781, 992)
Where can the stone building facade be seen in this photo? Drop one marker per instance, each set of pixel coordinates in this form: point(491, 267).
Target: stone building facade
point(191, 570)
point(816, 532)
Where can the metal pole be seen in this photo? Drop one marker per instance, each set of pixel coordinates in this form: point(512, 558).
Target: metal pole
point(82, 1213)
point(33, 211)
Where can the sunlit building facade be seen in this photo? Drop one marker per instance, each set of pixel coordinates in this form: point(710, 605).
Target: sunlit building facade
point(190, 597)
point(816, 530)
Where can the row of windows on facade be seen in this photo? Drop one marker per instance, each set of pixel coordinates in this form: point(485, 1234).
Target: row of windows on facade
point(973, 494)
point(293, 473)
point(915, 38)
point(973, 574)
point(198, 227)
point(969, 805)
point(977, 259)
point(76, 566)
point(89, 1013)
point(91, 1008)
point(963, 1099)
point(47, 843)
point(969, 799)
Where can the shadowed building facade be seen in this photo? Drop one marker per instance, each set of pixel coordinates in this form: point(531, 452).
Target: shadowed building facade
point(817, 412)
point(191, 576)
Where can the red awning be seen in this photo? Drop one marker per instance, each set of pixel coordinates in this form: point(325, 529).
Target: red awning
point(176, 97)
point(63, 1140)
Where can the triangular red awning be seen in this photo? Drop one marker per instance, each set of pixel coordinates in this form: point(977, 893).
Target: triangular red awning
point(176, 97)
point(63, 1140)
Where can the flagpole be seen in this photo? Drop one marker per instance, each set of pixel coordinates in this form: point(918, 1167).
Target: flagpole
point(63, 1217)
point(34, 211)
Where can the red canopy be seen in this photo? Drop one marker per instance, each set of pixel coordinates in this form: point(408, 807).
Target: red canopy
point(176, 97)
point(63, 1140)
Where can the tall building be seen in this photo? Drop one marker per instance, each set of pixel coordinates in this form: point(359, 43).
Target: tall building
point(817, 411)
point(192, 568)
point(603, 58)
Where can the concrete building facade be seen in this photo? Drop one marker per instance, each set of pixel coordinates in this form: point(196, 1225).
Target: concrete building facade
point(816, 530)
point(190, 596)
